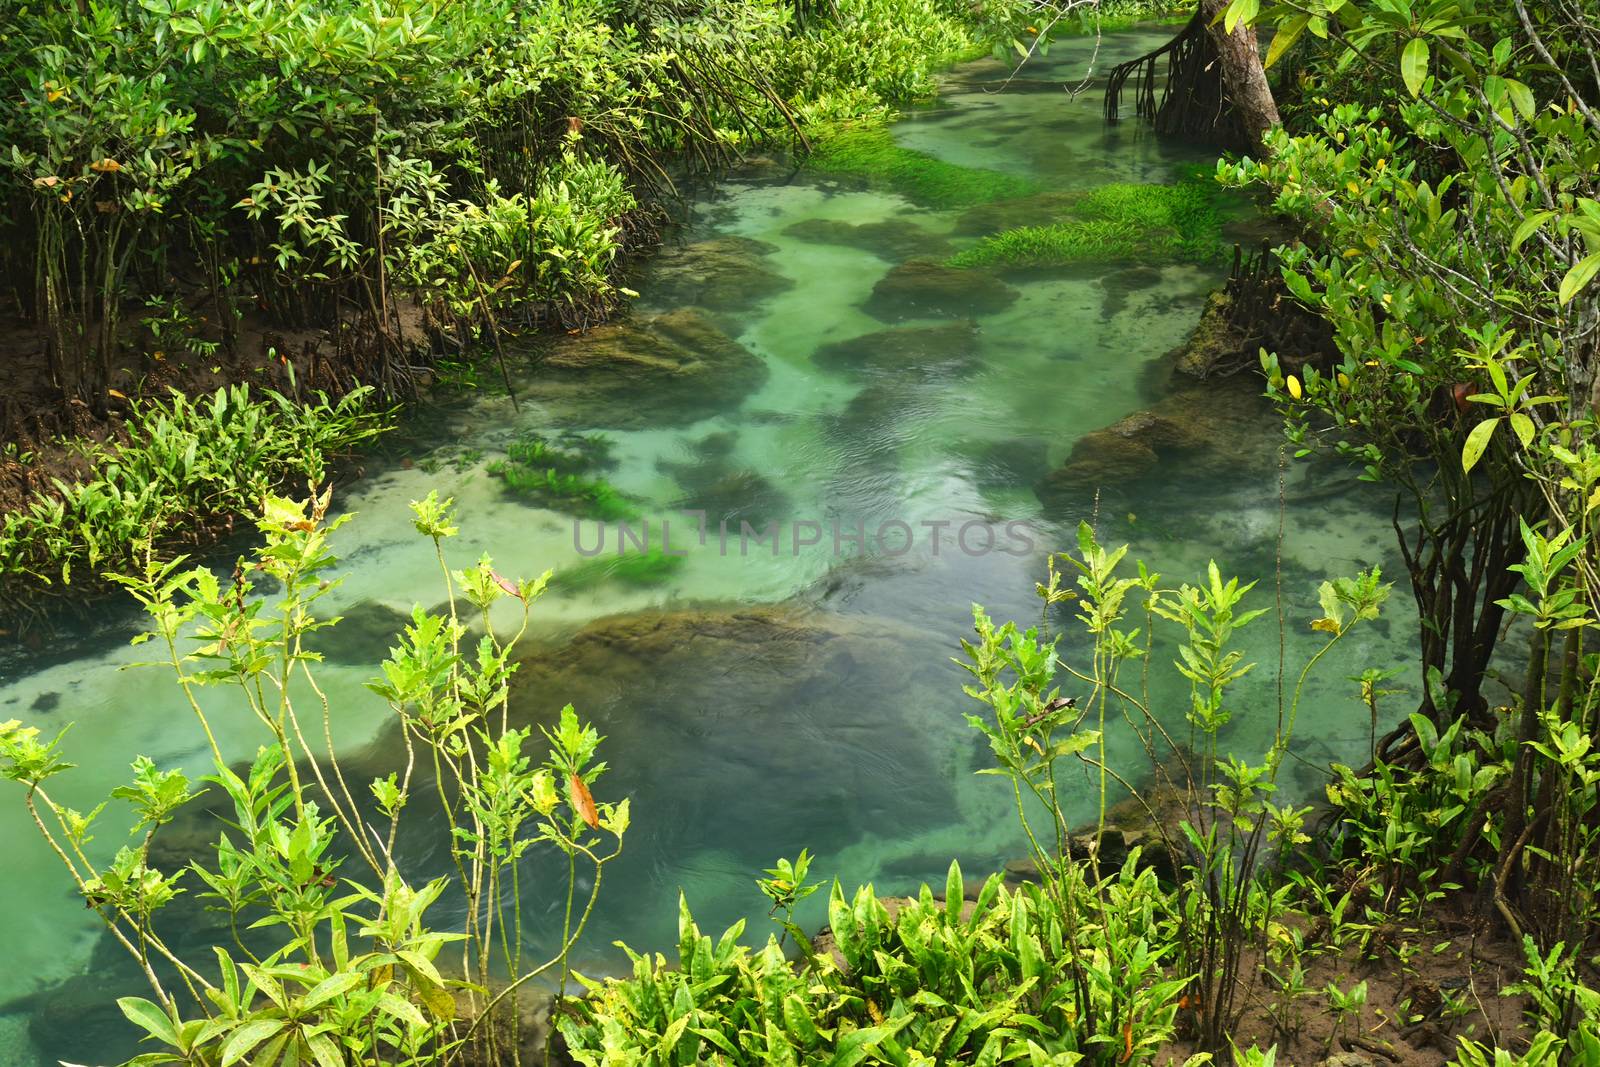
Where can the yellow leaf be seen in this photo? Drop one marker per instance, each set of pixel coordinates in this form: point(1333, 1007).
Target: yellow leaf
point(1326, 625)
point(118, 393)
point(1294, 387)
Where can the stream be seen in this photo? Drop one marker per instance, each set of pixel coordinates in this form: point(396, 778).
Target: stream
point(755, 701)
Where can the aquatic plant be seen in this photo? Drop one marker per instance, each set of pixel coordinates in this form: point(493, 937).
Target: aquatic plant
point(869, 151)
point(181, 464)
point(546, 487)
point(344, 963)
point(638, 570)
point(1118, 221)
point(551, 476)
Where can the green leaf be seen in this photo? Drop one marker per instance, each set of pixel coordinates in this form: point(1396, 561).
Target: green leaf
point(1238, 11)
point(1524, 428)
point(1477, 441)
point(326, 1052)
point(403, 1010)
point(247, 1037)
point(331, 987)
point(858, 1044)
point(1414, 64)
point(1526, 228)
point(1288, 33)
point(142, 1013)
point(1521, 97)
point(954, 892)
point(1579, 276)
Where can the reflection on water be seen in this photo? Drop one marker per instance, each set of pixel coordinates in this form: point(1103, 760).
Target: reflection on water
point(798, 357)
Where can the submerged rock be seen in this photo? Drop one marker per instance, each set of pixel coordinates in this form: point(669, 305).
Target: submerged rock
point(1195, 432)
point(1008, 464)
point(750, 730)
point(730, 495)
point(1038, 210)
point(923, 288)
point(722, 274)
point(953, 347)
point(891, 239)
point(670, 370)
point(1121, 284)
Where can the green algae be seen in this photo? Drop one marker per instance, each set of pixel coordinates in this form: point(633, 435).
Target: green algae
point(638, 570)
point(1120, 221)
point(547, 475)
point(870, 152)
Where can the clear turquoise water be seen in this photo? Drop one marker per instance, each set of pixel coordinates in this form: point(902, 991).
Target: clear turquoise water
point(836, 723)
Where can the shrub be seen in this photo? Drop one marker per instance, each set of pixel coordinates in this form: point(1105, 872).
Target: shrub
point(181, 461)
point(931, 982)
point(344, 964)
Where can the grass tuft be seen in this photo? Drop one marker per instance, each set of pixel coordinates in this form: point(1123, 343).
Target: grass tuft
point(1122, 220)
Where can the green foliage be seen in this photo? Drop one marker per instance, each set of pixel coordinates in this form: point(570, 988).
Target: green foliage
point(1229, 818)
point(868, 54)
point(1113, 222)
point(933, 982)
point(349, 969)
point(869, 151)
point(312, 158)
point(1456, 214)
point(181, 462)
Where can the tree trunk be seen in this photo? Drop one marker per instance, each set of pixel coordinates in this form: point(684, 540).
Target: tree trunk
point(1243, 76)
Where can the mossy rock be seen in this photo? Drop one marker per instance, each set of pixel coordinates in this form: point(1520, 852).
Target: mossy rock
point(1217, 430)
point(946, 348)
point(1215, 342)
point(670, 370)
point(722, 274)
point(871, 153)
point(892, 239)
point(923, 288)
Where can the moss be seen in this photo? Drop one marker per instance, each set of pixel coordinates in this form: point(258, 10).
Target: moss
point(871, 152)
point(640, 570)
point(1118, 221)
